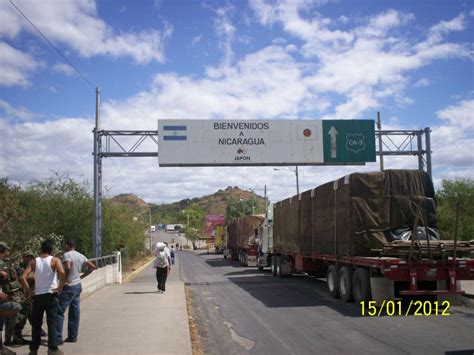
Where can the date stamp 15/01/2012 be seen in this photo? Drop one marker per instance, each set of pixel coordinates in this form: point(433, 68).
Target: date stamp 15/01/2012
point(398, 308)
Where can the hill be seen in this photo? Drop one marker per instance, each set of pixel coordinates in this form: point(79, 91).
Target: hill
point(132, 201)
point(215, 203)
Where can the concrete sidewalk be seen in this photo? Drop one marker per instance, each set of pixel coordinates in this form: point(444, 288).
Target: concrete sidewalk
point(131, 318)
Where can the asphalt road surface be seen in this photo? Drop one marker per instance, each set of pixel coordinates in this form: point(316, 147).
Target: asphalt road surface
point(240, 310)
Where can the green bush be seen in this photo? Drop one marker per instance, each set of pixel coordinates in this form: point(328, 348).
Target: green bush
point(63, 208)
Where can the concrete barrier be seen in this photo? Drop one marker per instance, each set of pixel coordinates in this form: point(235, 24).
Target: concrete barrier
point(109, 271)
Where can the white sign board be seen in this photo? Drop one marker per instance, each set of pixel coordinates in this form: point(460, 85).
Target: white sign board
point(239, 142)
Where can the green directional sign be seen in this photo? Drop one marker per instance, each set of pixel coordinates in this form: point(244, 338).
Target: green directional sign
point(348, 141)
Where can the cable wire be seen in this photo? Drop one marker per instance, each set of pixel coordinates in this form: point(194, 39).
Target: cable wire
point(120, 173)
point(52, 45)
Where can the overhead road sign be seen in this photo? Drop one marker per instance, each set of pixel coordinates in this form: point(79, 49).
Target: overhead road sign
point(349, 141)
point(264, 142)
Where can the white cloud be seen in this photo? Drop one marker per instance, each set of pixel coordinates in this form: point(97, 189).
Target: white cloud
point(35, 150)
point(75, 23)
point(15, 66)
point(225, 31)
point(367, 64)
point(423, 82)
point(460, 115)
point(196, 40)
point(16, 113)
point(438, 31)
point(64, 69)
point(453, 140)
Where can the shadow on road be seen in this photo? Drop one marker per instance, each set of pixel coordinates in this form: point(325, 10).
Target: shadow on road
point(219, 262)
point(293, 292)
point(138, 293)
point(251, 271)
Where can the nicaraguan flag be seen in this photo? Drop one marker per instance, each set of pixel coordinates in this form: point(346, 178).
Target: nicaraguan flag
point(174, 133)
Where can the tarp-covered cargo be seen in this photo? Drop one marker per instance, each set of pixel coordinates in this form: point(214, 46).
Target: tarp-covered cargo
point(241, 233)
point(354, 214)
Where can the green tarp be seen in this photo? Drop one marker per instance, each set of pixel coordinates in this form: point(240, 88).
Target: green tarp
point(351, 215)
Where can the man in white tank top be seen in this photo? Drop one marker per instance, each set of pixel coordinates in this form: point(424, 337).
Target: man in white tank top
point(47, 269)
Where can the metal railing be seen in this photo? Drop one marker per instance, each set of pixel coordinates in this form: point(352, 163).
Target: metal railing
point(107, 260)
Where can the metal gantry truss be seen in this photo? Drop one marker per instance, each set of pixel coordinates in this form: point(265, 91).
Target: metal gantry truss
point(389, 143)
point(115, 147)
point(112, 144)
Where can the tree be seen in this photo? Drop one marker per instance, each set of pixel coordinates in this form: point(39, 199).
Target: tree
point(10, 212)
point(239, 208)
point(193, 218)
point(452, 192)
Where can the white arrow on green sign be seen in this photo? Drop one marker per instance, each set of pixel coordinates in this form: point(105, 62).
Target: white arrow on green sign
point(348, 141)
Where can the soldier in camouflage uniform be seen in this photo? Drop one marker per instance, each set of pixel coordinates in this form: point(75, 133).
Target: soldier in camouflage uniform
point(12, 287)
point(25, 314)
point(10, 297)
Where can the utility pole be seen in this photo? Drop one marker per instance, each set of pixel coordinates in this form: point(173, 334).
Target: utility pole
point(149, 227)
point(297, 181)
point(97, 225)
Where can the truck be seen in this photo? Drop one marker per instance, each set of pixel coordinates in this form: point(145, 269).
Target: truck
point(242, 239)
point(173, 228)
point(372, 236)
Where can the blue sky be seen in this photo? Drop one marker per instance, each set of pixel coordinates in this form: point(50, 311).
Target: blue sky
point(410, 60)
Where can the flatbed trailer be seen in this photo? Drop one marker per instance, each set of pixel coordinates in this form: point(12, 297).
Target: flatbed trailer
point(350, 232)
point(350, 277)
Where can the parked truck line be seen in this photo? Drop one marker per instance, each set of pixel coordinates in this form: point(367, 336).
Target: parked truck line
point(360, 264)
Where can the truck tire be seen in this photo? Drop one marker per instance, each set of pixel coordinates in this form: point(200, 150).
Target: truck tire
point(278, 266)
point(361, 285)
point(274, 265)
point(332, 280)
point(345, 283)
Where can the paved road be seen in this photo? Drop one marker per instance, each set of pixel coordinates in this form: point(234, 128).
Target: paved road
point(240, 311)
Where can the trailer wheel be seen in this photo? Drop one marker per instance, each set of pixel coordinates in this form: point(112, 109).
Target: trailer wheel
point(278, 266)
point(345, 283)
point(361, 285)
point(333, 284)
point(274, 265)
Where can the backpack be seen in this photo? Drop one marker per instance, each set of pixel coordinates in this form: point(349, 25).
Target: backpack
point(161, 259)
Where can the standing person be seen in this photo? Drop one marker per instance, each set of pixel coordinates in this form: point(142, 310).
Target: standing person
point(47, 269)
point(25, 303)
point(8, 307)
point(162, 265)
point(172, 254)
point(73, 262)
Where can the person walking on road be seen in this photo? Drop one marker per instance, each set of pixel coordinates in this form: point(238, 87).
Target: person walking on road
point(162, 264)
point(172, 254)
point(47, 269)
point(73, 263)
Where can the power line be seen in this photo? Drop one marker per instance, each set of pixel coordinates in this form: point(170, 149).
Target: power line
point(52, 45)
point(123, 177)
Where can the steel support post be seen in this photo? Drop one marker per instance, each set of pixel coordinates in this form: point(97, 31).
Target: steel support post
point(420, 150)
point(428, 150)
point(97, 225)
point(379, 127)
